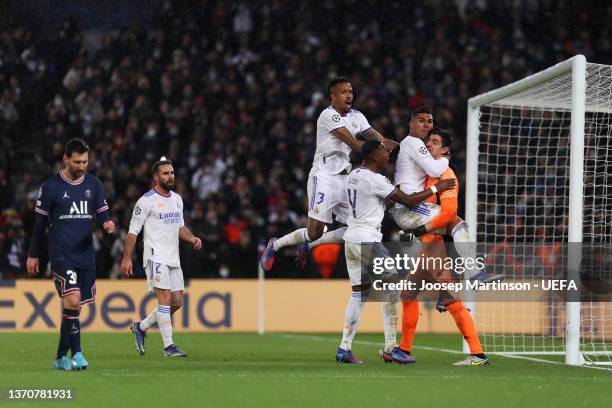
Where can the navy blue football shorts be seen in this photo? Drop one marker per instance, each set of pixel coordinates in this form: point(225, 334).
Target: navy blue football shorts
point(70, 279)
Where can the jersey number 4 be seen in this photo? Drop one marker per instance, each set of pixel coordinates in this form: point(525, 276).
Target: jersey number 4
point(352, 197)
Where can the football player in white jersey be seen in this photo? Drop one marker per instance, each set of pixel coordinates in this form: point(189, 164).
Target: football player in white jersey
point(337, 127)
point(414, 164)
point(368, 191)
point(160, 212)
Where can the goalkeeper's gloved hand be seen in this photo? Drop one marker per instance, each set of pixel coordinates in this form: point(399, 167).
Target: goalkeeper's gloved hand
point(419, 231)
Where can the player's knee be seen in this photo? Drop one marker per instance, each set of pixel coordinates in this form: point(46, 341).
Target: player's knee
point(176, 305)
point(164, 297)
point(315, 229)
point(72, 301)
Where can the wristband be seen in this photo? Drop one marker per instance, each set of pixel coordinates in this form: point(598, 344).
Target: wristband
point(433, 189)
point(420, 231)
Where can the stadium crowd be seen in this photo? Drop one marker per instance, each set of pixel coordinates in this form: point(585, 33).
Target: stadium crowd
point(231, 94)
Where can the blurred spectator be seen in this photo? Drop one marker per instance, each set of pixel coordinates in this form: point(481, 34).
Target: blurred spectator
point(231, 94)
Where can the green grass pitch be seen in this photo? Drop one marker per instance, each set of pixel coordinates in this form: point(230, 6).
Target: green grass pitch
point(276, 370)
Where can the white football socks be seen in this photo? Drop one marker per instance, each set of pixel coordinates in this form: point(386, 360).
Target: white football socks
point(293, 238)
point(351, 320)
point(330, 237)
point(149, 321)
point(464, 247)
point(389, 316)
point(164, 322)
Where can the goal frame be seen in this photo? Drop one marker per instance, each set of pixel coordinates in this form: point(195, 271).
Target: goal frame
point(577, 65)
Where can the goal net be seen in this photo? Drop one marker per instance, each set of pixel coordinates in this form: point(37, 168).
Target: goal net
point(530, 181)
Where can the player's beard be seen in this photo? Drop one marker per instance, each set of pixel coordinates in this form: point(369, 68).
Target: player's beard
point(75, 172)
point(166, 186)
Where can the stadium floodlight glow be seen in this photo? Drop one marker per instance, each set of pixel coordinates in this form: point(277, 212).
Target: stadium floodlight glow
point(537, 170)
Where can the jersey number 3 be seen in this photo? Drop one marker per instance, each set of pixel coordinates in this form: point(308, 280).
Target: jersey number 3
point(73, 277)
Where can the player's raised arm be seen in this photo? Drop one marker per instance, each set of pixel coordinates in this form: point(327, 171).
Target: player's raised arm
point(412, 199)
point(344, 135)
point(372, 134)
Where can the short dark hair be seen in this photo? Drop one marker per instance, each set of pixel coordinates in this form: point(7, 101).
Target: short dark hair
point(158, 164)
point(77, 145)
point(421, 109)
point(445, 135)
point(334, 82)
point(369, 147)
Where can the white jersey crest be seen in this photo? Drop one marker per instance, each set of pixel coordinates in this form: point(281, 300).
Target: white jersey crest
point(162, 217)
point(332, 154)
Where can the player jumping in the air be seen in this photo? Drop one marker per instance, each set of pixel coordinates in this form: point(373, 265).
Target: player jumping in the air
point(337, 127)
point(69, 200)
point(160, 212)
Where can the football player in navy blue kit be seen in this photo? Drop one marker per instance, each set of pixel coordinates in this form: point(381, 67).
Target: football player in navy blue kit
point(69, 200)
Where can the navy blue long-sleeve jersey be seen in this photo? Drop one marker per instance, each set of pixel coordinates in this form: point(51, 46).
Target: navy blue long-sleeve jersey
point(70, 207)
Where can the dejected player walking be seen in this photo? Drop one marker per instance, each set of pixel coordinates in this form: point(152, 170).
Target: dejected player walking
point(68, 201)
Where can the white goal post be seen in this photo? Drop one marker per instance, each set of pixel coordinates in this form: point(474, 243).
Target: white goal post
point(538, 154)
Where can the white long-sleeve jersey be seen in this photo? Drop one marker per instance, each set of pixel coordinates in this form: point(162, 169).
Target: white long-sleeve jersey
point(162, 217)
point(414, 164)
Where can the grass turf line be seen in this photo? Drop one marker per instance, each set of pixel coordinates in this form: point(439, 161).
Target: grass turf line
point(248, 370)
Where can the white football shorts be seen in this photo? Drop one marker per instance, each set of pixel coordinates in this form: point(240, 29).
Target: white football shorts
point(162, 276)
point(355, 261)
point(411, 218)
point(326, 196)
